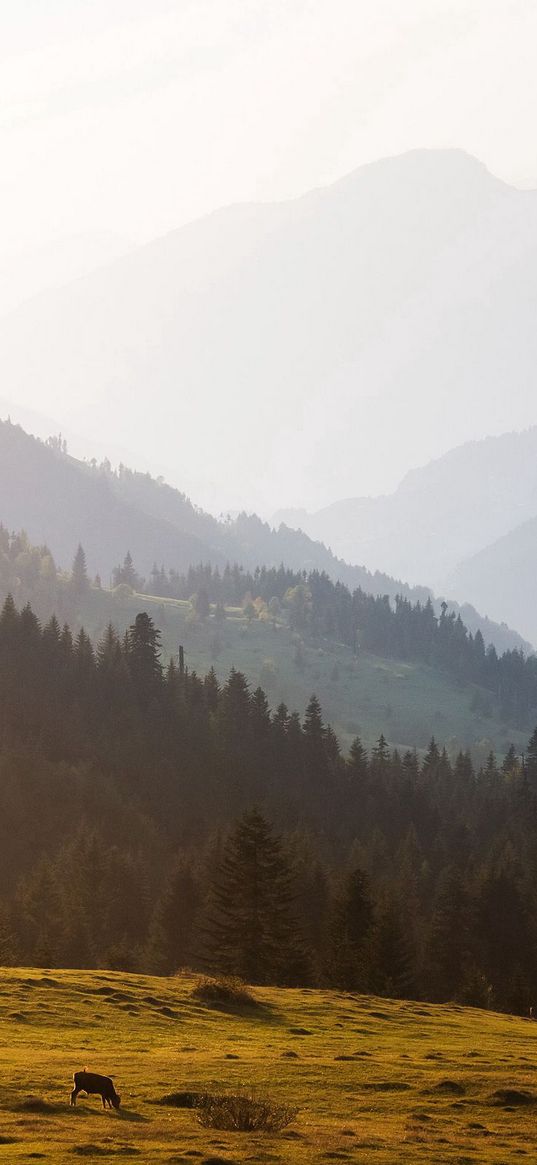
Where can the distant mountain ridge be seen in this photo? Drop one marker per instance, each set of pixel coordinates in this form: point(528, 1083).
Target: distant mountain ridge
point(503, 575)
point(440, 513)
point(466, 524)
point(61, 501)
point(311, 334)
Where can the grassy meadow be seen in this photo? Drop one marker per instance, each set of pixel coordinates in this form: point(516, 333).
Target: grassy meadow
point(374, 1080)
point(408, 702)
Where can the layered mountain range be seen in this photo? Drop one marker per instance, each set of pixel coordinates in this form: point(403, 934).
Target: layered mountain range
point(303, 351)
point(466, 524)
point(61, 501)
point(313, 349)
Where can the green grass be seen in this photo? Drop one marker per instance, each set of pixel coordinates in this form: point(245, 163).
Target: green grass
point(368, 1075)
point(409, 702)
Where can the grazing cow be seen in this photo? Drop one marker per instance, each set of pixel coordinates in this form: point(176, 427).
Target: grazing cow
point(91, 1082)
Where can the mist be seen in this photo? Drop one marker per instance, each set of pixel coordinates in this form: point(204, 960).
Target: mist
point(268, 548)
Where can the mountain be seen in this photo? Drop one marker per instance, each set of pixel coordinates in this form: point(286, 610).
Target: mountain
point(503, 576)
point(24, 274)
point(272, 353)
point(61, 501)
point(440, 514)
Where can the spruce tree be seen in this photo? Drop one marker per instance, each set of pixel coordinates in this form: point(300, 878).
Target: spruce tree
point(8, 942)
point(357, 763)
point(531, 759)
point(392, 957)
point(172, 930)
point(127, 574)
point(249, 930)
point(450, 944)
point(143, 658)
point(352, 919)
point(79, 573)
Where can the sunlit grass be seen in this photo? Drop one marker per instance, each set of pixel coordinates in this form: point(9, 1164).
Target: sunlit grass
point(373, 1079)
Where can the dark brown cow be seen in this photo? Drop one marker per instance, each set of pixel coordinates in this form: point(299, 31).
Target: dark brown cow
point(91, 1082)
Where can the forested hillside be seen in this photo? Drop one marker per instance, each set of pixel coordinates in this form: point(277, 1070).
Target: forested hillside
point(377, 666)
point(60, 502)
point(127, 798)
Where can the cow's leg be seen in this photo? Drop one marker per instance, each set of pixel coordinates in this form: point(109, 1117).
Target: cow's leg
point(74, 1095)
point(103, 1098)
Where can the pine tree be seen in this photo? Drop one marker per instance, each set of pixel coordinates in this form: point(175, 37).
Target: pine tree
point(172, 931)
point(531, 759)
point(381, 753)
point(79, 573)
point(392, 957)
point(249, 928)
point(450, 945)
point(143, 658)
point(8, 942)
point(357, 763)
point(352, 919)
point(127, 574)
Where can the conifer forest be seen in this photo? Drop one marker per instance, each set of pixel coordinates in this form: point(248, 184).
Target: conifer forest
point(155, 819)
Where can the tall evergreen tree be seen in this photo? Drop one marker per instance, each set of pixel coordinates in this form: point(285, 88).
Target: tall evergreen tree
point(127, 574)
point(79, 573)
point(143, 658)
point(172, 933)
point(451, 939)
point(531, 759)
point(348, 963)
point(249, 930)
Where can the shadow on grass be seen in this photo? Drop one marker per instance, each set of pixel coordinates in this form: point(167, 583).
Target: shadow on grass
point(129, 1114)
point(262, 1012)
point(81, 1111)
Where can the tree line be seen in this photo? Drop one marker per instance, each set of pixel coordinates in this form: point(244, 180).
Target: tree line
point(311, 603)
point(152, 819)
point(399, 629)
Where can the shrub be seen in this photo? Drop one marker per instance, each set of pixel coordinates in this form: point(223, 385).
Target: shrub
point(244, 1112)
point(123, 591)
point(224, 989)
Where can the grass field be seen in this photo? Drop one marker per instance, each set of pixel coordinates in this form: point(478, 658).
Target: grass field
point(408, 702)
point(374, 1080)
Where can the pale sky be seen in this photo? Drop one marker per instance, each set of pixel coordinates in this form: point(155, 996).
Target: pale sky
point(134, 116)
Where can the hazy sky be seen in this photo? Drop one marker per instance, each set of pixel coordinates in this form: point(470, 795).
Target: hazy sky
point(133, 116)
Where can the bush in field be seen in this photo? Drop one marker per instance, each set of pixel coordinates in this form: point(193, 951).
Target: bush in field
point(123, 591)
point(244, 1112)
point(224, 989)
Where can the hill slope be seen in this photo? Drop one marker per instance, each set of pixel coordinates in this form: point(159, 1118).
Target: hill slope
point(61, 501)
point(367, 1075)
point(410, 277)
point(408, 702)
